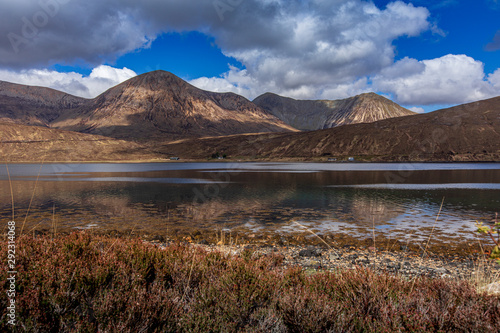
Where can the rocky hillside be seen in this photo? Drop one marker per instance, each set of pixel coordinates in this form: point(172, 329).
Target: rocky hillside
point(468, 132)
point(312, 115)
point(158, 115)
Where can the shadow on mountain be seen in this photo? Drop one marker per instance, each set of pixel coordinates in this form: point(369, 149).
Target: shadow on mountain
point(141, 128)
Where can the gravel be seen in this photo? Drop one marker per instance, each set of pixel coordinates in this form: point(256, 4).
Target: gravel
point(406, 264)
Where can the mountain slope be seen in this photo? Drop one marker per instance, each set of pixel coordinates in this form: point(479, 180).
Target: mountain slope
point(159, 104)
point(36, 144)
point(469, 132)
point(30, 105)
point(321, 114)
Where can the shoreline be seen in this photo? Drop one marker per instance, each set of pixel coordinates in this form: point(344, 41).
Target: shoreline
point(407, 261)
point(229, 160)
point(408, 264)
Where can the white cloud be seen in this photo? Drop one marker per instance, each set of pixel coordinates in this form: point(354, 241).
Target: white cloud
point(101, 79)
point(235, 80)
point(347, 90)
point(112, 74)
point(303, 49)
point(326, 50)
point(494, 79)
point(417, 109)
point(451, 79)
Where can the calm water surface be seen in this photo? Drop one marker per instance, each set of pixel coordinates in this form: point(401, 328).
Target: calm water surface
point(400, 201)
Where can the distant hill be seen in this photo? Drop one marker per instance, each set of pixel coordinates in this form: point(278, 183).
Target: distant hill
point(38, 106)
point(312, 115)
point(36, 144)
point(469, 132)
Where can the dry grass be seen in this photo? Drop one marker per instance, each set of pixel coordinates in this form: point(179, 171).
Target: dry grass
point(485, 275)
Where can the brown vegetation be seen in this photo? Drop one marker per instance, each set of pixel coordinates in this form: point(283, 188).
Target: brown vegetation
point(20, 143)
point(84, 282)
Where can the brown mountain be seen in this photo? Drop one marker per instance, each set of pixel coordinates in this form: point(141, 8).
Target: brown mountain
point(312, 115)
point(34, 105)
point(469, 132)
point(159, 104)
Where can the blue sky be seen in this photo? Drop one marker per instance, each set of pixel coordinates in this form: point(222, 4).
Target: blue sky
point(422, 54)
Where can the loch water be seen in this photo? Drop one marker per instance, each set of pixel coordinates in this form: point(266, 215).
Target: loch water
point(398, 200)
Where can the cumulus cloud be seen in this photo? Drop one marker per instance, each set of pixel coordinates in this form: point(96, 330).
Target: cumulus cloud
point(323, 51)
point(302, 49)
point(100, 79)
point(494, 79)
point(451, 79)
point(417, 109)
point(235, 80)
point(44, 32)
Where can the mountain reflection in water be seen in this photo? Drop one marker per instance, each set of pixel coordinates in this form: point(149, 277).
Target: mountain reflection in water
point(253, 198)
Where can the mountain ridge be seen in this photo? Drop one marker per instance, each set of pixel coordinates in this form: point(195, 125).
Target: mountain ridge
point(468, 132)
point(310, 115)
point(34, 105)
point(25, 143)
point(158, 115)
point(158, 104)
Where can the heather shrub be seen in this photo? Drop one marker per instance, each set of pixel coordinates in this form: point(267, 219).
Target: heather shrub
point(359, 301)
point(84, 282)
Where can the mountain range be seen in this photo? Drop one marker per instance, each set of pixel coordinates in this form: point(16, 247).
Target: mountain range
point(161, 105)
point(158, 115)
point(469, 132)
point(152, 105)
